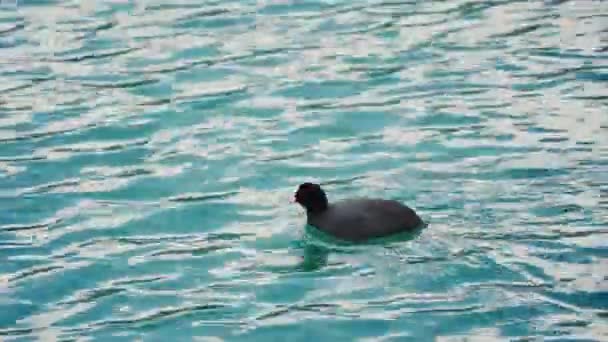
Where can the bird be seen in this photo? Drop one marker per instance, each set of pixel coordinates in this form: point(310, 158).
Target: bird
point(355, 219)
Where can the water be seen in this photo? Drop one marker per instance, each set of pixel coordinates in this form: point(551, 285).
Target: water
point(148, 150)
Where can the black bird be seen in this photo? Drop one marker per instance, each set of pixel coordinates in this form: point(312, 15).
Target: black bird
point(356, 219)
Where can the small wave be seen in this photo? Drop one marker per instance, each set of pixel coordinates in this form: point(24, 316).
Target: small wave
point(160, 315)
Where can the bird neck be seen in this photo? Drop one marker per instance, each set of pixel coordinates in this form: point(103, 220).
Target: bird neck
point(317, 208)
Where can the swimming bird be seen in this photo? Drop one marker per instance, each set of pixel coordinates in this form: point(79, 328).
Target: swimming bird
point(356, 219)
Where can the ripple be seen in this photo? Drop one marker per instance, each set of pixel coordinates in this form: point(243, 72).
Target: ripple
point(200, 197)
point(154, 317)
point(17, 227)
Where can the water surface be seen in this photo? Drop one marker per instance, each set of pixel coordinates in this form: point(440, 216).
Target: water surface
point(148, 150)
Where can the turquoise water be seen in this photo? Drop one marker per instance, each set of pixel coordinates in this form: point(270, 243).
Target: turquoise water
point(149, 149)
